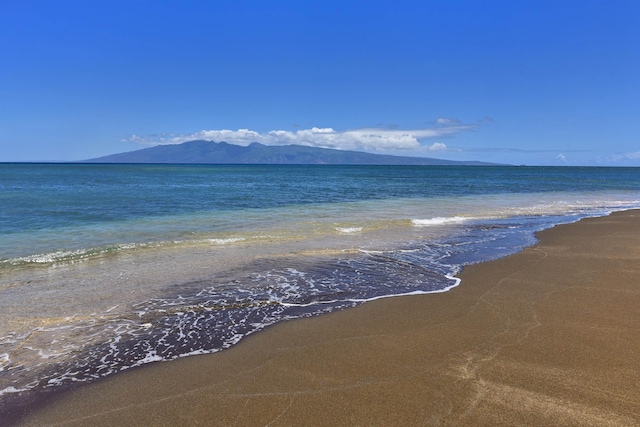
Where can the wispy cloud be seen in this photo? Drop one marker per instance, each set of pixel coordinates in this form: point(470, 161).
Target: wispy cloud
point(519, 150)
point(366, 139)
point(624, 158)
point(633, 156)
point(446, 121)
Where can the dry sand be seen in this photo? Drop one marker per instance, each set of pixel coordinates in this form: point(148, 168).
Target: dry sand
point(549, 336)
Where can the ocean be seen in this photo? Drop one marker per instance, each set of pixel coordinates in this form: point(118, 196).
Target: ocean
point(107, 267)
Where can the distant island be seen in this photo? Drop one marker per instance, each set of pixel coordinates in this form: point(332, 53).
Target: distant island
point(209, 152)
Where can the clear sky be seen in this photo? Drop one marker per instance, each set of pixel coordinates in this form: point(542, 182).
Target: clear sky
point(537, 82)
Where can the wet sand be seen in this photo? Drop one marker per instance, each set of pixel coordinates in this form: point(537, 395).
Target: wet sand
point(549, 336)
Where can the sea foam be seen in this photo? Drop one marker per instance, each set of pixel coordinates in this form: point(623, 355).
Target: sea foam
point(439, 221)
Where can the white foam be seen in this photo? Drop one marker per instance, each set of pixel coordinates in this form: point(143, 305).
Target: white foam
point(149, 358)
point(362, 300)
point(371, 251)
point(50, 355)
point(112, 308)
point(4, 360)
point(348, 230)
point(51, 257)
point(130, 245)
point(68, 255)
point(225, 241)
point(11, 389)
point(439, 221)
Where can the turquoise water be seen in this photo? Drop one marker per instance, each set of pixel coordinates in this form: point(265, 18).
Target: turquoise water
point(58, 206)
point(107, 267)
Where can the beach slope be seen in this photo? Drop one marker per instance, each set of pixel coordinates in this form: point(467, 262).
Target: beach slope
point(549, 336)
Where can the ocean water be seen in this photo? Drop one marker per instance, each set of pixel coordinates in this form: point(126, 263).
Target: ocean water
point(108, 267)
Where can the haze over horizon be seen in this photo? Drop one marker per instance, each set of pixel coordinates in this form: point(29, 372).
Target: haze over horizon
point(526, 82)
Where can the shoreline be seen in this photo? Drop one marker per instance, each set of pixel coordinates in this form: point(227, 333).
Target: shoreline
point(544, 336)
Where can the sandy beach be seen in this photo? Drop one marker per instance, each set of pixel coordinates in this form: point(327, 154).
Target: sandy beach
point(549, 336)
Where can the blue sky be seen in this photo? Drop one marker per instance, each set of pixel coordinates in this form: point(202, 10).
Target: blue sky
point(523, 82)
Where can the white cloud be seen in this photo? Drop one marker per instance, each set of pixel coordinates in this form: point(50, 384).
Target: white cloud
point(633, 156)
point(366, 139)
point(625, 158)
point(446, 121)
point(437, 146)
point(561, 157)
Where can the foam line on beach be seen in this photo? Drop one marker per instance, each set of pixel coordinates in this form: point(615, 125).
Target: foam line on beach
point(431, 222)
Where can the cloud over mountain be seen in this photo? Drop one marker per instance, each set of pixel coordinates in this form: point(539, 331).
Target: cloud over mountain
point(365, 139)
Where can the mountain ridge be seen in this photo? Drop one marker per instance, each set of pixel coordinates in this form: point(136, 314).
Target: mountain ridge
point(209, 152)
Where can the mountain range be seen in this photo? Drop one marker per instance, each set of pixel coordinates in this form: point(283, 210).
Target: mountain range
point(208, 152)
